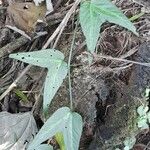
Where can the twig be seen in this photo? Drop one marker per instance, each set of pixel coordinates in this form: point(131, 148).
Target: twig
point(69, 73)
point(147, 146)
point(98, 57)
point(129, 53)
point(9, 48)
point(57, 4)
point(3, 8)
point(57, 39)
point(14, 84)
point(61, 26)
point(55, 16)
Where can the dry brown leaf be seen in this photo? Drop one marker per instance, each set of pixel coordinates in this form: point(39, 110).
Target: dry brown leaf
point(25, 15)
point(16, 130)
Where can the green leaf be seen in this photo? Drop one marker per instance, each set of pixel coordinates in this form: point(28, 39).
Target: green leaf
point(90, 22)
point(56, 74)
point(142, 110)
point(65, 121)
point(72, 131)
point(148, 117)
point(60, 140)
point(57, 69)
point(44, 147)
point(20, 94)
point(137, 16)
point(94, 13)
point(147, 92)
point(43, 58)
point(142, 122)
point(129, 142)
point(126, 148)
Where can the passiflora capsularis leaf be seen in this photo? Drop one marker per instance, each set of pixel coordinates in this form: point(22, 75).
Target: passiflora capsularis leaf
point(51, 59)
point(94, 13)
point(64, 121)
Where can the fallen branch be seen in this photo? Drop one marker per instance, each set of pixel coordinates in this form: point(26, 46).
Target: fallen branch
point(9, 48)
point(98, 57)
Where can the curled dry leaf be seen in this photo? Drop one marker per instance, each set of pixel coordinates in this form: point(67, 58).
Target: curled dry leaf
point(16, 130)
point(24, 16)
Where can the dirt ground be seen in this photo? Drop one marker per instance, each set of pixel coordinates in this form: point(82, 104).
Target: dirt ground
point(106, 94)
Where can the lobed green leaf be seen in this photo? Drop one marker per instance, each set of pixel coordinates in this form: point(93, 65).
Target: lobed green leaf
point(57, 69)
point(94, 13)
point(65, 121)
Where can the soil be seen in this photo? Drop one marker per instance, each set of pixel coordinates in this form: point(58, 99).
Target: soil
point(106, 93)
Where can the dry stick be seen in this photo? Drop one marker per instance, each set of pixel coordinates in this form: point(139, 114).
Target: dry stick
point(62, 25)
point(97, 57)
point(57, 4)
point(14, 84)
point(9, 48)
point(58, 37)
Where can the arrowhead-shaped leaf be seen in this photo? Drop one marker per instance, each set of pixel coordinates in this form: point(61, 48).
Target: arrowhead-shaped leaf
point(56, 74)
point(57, 69)
point(94, 13)
point(43, 58)
point(65, 121)
point(72, 131)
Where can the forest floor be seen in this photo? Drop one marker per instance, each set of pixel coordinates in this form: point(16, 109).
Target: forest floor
point(106, 94)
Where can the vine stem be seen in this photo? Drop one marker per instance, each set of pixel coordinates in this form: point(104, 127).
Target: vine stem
point(69, 62)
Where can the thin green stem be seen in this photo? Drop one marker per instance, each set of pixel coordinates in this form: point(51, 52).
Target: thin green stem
point(69, 73)
point(137, 16)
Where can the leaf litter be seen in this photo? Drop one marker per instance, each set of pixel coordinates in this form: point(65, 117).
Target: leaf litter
point(16, 130)
point(121, 41)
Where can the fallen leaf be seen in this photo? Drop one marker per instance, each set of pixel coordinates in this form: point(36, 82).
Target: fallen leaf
point(16, 130)
point(24, 16)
